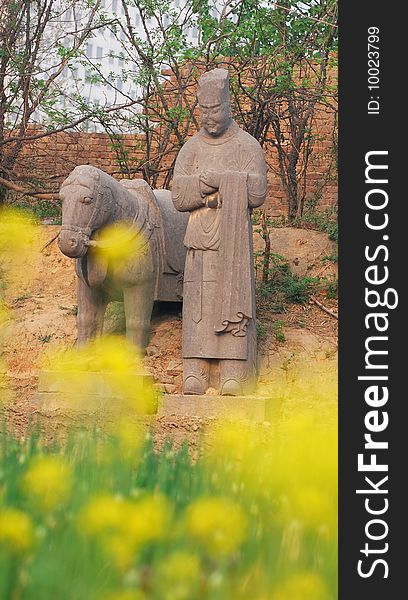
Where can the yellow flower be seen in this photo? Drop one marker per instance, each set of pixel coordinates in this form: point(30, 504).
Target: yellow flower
point(18, 240)
point(312, 507)
point(16, 530)
point(111, 363)
point(218, 523)
point(102, 513)
point(123, 526)
point(147, 519)
point(120, 549)
point(127, 443)
point(48, 482)
point(129, 436)
point(119, 243)
point(126, 595)
point(278, 460)
point(303, 586)
point(139, 521)
point(17, 231)
point(178, 576)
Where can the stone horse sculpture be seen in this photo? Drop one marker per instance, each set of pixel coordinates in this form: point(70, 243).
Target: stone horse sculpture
point(91, 200)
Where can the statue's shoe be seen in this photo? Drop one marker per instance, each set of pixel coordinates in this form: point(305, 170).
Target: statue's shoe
point(231, 387)
point(193, 386)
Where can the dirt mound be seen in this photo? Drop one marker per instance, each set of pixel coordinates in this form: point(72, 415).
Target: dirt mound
point(308, 252)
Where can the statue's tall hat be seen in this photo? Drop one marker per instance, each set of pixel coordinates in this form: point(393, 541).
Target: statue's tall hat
point(213, 88)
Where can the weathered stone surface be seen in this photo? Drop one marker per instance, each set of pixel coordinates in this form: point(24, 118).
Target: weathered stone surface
point(91, 200)
point(253, 408)
point(169, 388)
point(152, 351)
point(83, 392)
point(166, 378)
point(97, 383)
point(219, 176)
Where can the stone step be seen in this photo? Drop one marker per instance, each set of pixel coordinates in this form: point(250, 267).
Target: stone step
point(96, 383)
point(253, 408)
point(86, 393)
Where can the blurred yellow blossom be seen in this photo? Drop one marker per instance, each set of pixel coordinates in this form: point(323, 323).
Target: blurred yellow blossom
point(147, 519)
point(298, 453)
point(302, 586)
point(120, 549)
point(119, 243)
point(101, 513)
point(312, 507)
point(111, 364)
point(126, 595)
point(18, 241)
point(218, 523)
point(16, 530)
point(17, 231)
point(48, 481)
point(129, 436)
point(5, 315)
point(177, 576)
point(123, 526)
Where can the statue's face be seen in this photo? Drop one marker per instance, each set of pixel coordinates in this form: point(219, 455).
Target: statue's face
point(215, 118)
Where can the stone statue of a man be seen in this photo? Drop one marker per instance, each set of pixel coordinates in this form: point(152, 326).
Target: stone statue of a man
point(219, 176)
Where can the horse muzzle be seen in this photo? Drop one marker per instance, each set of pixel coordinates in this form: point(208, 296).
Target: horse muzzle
point(73, 243)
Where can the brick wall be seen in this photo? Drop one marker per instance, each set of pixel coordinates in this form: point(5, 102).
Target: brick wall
point(49, 160)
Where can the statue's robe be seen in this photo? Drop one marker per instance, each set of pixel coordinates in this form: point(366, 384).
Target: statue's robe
point(219, 294)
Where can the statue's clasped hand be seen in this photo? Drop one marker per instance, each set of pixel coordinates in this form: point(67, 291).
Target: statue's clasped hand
point(213, 200)
point(211, 179)
point(209, 184)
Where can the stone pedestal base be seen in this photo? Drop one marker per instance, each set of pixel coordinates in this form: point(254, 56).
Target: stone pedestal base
point(253, 408)
point(62, 395)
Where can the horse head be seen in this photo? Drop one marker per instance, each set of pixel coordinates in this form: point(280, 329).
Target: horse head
point(86, 206)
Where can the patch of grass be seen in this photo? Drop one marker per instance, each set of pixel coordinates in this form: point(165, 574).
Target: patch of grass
point(299, 289)
point(332, 291)
point(333, 232)
point(275, 222)
point(331, 257)
point(285, 287)
point(115, 320)
point(277, 308)
point(329, 287)
point(320, 220)
point(277, 327)
point(45, 339)
point(260, 330)
point(108, 516)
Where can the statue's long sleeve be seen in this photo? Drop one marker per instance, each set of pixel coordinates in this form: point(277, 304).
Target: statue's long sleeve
point(256, 181)
point(186, 194)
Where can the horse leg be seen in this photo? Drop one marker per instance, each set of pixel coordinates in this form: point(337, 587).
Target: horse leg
point(91, 311)
point(138, 303)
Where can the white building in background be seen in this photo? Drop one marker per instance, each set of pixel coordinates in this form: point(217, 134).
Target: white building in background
point(104, 55)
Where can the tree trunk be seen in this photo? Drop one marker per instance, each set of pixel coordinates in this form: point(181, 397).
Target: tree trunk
point(3, 194)
point(267, 253)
